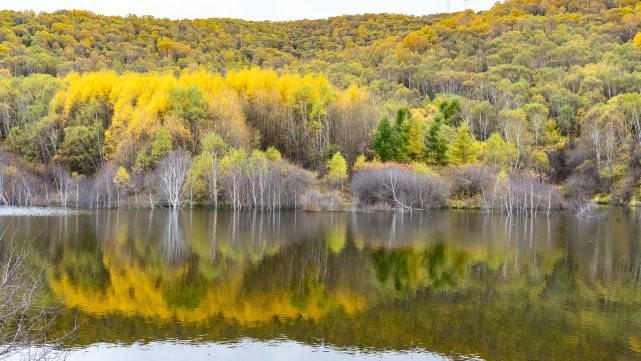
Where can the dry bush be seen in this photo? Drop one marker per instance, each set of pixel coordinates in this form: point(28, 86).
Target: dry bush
point(315, 201)
point(471, 179)
point(398, 187)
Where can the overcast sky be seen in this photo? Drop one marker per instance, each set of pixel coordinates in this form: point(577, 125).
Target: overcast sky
point(250, 9)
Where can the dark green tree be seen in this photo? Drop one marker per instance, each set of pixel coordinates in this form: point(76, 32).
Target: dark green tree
point(451, 112)
point(436, 145)
point(385, 144)
point(565, 120)
point(401, 133)
point(81, 148)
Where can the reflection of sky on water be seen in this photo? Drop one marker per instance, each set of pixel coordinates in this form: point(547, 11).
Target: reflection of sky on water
point(11, 211)
point(243, 350)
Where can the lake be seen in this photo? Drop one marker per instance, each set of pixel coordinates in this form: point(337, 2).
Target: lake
point(213, 285)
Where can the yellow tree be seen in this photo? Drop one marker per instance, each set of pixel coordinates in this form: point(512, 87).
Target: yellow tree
point(416, 42)
point(360, 163)
point(414, 134)
point(464, 149)
point(272, 154)
point(538, 161)
point(637, 40)
point(495, 152)
point(337, 169)
point(122, 181)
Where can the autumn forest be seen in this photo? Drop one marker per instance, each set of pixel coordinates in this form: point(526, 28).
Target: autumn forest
point(531, 105)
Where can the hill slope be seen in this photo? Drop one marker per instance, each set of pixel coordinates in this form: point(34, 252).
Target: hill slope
point(545, 87)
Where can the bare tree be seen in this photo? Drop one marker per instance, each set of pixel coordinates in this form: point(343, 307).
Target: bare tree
point(4, 197)
point(524, 193)
point(62, 179)
point(17, 186)
point(104, 187)
point(172, 172)
point(149, 182)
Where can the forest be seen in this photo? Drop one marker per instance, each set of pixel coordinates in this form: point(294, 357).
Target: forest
point(531, 105)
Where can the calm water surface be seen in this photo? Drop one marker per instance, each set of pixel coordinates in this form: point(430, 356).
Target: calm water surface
point(207, 285)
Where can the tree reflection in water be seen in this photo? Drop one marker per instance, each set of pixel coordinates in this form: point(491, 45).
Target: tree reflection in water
point(458, 283)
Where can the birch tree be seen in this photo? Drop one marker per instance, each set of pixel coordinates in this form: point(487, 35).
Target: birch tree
point(62, 178)
point(172, 172)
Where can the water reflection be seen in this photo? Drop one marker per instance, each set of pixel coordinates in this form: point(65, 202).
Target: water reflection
point(455, 283)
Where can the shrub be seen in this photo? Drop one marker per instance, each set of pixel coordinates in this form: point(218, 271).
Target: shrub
point(471, 179)
point(399, 187)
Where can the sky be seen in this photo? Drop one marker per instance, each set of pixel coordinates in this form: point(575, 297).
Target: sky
point(275, 10)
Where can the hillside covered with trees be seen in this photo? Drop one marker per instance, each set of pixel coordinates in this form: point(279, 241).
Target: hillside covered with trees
point(534, 104)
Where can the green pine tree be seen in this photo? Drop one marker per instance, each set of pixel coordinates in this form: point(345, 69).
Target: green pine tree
point(385, 141)
point(436, 145)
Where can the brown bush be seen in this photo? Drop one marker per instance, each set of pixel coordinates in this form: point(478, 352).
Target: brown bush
point(398, 187)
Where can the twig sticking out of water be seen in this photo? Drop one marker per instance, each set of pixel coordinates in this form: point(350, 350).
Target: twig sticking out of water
point(584, 208)
point(25, 321)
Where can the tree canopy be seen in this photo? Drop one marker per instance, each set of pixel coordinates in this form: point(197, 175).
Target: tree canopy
point(551, 79)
